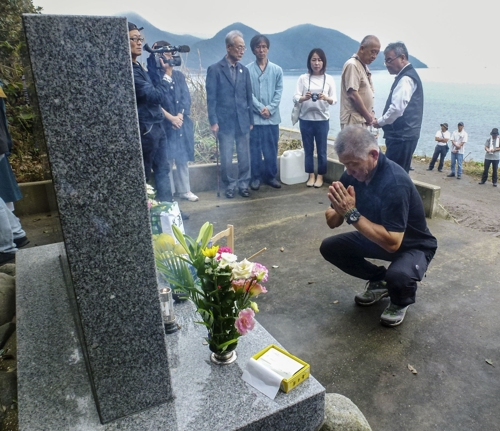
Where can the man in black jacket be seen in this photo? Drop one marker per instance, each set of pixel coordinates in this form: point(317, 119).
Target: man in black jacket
point(153, 137)
point(229, 103)
point(402, 118)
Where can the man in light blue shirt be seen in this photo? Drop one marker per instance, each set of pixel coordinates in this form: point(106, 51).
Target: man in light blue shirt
point(267, 87)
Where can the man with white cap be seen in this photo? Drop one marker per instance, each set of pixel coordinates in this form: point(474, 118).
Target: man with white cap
point(442, 138)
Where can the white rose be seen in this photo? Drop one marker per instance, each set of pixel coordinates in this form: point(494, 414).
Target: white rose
point(242, 269)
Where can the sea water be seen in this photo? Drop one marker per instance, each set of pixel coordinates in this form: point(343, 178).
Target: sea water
point(450, 95)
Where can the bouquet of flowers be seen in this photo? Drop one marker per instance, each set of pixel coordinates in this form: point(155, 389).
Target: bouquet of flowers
point(222, 288)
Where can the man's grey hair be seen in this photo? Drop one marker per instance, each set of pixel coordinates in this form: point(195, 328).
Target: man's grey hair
point(355, 141)
point(233, 34)
point(367, 40)
point(399, 48)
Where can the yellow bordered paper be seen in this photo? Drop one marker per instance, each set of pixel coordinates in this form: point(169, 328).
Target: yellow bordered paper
point(284, 364)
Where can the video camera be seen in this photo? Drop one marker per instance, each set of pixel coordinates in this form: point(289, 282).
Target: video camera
point(176, 58)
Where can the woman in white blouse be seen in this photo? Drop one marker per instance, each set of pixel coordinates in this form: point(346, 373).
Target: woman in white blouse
point(316, 92)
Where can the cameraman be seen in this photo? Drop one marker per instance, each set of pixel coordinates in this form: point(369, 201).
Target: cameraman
point(153, 137)
point(177, 109)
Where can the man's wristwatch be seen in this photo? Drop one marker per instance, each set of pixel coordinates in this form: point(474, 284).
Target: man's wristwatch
point(352, 216)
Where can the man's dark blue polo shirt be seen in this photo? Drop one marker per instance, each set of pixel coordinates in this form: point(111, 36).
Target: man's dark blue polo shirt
point(391, 200)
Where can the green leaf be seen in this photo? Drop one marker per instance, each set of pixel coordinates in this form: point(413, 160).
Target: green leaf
point(180, 237)
point(227, 343)
point(203, 230)
point(207, 234)
point(175, 270)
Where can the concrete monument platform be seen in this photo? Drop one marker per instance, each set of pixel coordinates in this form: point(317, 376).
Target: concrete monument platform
point(55, 392)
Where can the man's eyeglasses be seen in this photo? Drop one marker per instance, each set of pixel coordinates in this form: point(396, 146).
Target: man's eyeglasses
point(240, 48)
point(390, 60)
point(137, 39)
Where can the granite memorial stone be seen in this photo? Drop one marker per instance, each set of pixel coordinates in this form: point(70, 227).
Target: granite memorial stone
point(83, 78)
point(101, 282)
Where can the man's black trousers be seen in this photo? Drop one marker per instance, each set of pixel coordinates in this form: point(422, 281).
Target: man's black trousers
point(349, 251)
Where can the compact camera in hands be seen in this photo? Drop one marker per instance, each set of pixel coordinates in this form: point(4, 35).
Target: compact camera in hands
point(314, 97)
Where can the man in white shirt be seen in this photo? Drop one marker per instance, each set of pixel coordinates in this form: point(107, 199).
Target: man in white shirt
point(442, 138)
point(402, 117)
point(356, 88)
point(458, 141)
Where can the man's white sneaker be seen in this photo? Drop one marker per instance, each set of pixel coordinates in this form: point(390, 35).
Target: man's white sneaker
point(189, 196)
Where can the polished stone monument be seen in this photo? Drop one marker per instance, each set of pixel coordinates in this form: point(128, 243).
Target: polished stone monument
point(82, 73)
point(92, 354)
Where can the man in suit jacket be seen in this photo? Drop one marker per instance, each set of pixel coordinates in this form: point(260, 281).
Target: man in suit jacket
point(229, 102)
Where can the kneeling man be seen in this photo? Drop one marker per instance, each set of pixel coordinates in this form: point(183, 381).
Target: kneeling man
point(378, 198)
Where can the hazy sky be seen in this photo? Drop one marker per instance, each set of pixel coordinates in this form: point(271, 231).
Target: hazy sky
point(441, 33)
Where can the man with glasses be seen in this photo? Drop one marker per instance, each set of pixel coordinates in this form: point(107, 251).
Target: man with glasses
point(267, 86)
point(153, 137)
point(402, 117)
point(229, 102)
point(356, 88)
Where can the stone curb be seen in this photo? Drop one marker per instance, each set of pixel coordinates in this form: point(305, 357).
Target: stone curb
point(341, 414)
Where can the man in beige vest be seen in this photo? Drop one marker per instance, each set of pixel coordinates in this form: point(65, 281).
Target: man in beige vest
point(356, 88)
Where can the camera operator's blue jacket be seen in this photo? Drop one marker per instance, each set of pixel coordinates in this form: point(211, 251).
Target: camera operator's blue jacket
point(148, 96)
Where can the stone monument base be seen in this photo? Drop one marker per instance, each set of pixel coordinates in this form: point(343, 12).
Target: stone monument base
point(55, 392)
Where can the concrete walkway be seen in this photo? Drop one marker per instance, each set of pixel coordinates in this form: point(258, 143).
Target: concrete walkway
point(448, 335)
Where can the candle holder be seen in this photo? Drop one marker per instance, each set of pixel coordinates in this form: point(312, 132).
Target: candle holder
point(167, 310)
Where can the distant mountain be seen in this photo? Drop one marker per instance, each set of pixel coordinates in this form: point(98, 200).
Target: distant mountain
point(212, 50)
point(289, 48)
point(154, 34)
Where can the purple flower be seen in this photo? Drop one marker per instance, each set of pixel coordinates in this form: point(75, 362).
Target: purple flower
point(260, 272)
point(245, 321)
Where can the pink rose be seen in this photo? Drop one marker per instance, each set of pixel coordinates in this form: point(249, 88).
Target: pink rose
point(245, 321)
